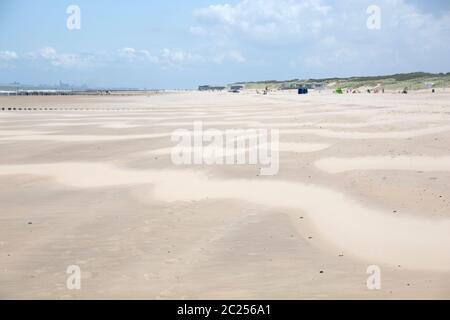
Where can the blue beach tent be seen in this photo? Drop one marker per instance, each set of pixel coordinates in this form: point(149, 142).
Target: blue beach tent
point(302, 90)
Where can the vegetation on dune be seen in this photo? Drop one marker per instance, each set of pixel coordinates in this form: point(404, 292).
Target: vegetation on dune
point(413, 81)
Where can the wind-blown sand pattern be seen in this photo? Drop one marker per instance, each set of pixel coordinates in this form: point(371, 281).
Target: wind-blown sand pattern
point(283, 147)
point(356, 135)
point(14, 133)
point(402, 239)
point(83, 138)
point(428, 164)
point(363, 181)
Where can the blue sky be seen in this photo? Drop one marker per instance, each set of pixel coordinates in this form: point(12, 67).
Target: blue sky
point(182, 44)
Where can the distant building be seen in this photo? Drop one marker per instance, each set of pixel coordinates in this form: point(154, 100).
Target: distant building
point(319, 86)
point(210, 88)
point(311, 85)
point(204, 88)
point(236, 87)
point(289, 86)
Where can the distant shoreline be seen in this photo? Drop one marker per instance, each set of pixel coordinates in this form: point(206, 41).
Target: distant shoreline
point(24, 93)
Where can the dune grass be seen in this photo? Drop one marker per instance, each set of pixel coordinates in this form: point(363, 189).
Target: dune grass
point(413, 81)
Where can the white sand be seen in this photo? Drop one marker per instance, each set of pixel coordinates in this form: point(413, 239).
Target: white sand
point(141, 227)
point(426, 164)
point(84, 138)
point(370, 234)
point(283, 147)
point(357, 135)
point(14, 133)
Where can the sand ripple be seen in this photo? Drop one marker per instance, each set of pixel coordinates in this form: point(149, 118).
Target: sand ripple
point(374, 235)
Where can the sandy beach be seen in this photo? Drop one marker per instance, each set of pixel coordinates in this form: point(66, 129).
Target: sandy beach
point(363, 181)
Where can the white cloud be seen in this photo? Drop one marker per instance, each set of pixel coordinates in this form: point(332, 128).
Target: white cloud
point(48, 53)
point(264, 20)
point(70, 60)
point(327, 35)
point(8, 55)
point(127, 53)
point(66, 60)
point(166, 57)
point(150, 57)
point(176, 56)
point(134, 55)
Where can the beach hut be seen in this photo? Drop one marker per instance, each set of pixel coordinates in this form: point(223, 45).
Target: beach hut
point(236, 88)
